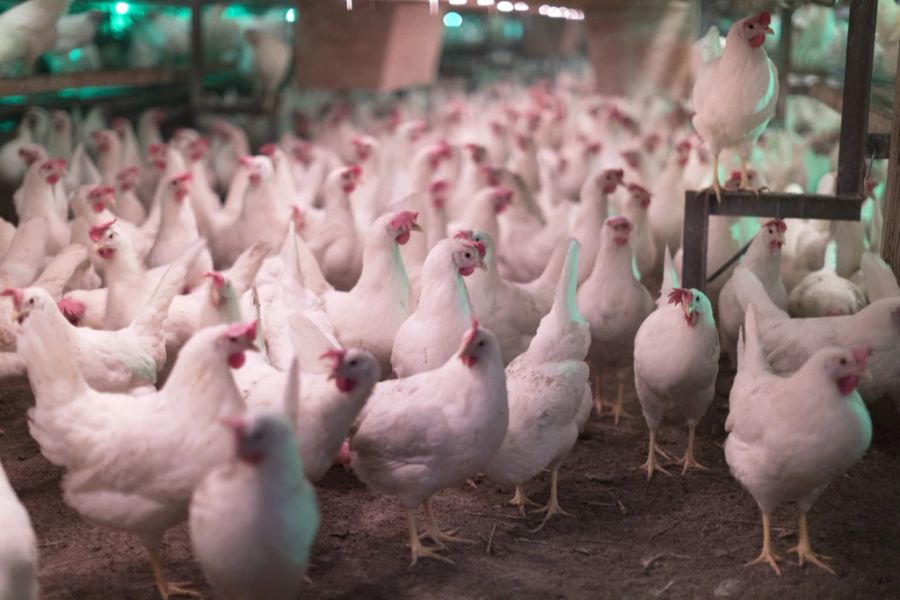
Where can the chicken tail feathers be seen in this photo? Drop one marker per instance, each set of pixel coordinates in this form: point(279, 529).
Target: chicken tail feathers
point(564, 303)
point(555, 266)
point(751, 358)
point(301, 265)
point(880, 280)
point(750, 291)
point(247, 265)
point(670, 278)
point(292, 392)
point(149, 321)
point(52, 371)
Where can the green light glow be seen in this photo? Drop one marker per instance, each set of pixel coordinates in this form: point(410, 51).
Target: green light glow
point(452, 19)
point(122, 8)
point(512, 30)
point(74, 54)
point(291, 15)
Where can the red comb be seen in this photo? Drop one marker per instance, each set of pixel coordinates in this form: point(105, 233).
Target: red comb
point(73, 310)
point(619, 173)
point(183, 178)
point(268, 149)
point(246, 161)
point(637, 189)
point(861, 355)
point(101, 190)
point(438, 186)
point(463, 235)
point(677, 295)
point(470, 334)
point(156, 149)
point(217, 278)
point(780, 225)
point(593, 148)
point(16, 294)
point(97, 231)
point(404, 220)
point(248, 330)
point(355, 170)
point(619, 223)
point(764, 18)
point(501, 192)
point(336, 355)
point(128, 172)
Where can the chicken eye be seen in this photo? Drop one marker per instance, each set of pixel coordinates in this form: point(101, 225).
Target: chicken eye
point(468, 255)
point(481, 343)
point(31, 302)
point(352, 363)
point(843, 361)
point(232, 338)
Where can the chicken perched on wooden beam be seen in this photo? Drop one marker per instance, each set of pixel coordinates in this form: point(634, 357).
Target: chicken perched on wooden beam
point(735, 94)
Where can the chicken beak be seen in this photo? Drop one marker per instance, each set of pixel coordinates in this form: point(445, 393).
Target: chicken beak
point(415, 227)
point(482, 265)
point(769, 30)
point(866, 375)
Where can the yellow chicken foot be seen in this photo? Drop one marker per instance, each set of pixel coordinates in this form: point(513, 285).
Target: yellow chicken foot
point(433, 532)
point(804, 551)
point(716, 187)
point(688, 460)
point(415, 546)
point(552, 507)
point(618, 410)
point(651, 465)
point(598, 396)
point(745, 175)
point(167, 589)
point(767, 556)
point(521, 500)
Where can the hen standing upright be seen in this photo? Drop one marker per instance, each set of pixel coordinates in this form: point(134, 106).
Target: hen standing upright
point(28, 30)
point(789, 437)
point(735, 94)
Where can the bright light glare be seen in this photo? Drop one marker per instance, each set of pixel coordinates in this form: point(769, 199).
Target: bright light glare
point(291, 15)
point(521, 6)
point(485, 2)
point(452, 19)
point(505, 6)
point(457, 2)
point(122, 8)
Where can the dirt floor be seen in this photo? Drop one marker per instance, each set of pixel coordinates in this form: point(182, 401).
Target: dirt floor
point(676, 537)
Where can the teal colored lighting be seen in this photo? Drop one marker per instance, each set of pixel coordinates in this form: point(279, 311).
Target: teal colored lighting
point(452, 19)
point(74, 54)
point(122, 8)
point(513, 30)
point(291, 15)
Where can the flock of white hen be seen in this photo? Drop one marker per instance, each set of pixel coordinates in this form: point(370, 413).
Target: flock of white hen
point(206, 331)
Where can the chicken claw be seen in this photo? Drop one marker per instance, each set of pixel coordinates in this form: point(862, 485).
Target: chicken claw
point(688, 460)
point(767, 556)
point(651, 465)
point(168, 589)
point(433, 532)
point(618, 409)
point(804, 551)
point(552, 507)
point(521, 500)
point(416, 548)
point(598, 396)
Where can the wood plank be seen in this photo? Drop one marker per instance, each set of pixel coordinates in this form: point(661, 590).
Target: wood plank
point(54, 83)
point(695, 240)
point(781, 205)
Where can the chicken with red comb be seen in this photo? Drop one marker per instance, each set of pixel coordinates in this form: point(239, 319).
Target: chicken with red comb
point(790, 437)
point(735, 94)
point(419, 435)
point(615, 304)
point(676, 361)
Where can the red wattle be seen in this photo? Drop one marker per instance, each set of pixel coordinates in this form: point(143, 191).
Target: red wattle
point(466, 271)
point(757, 40)
point(847, 384)
point(402, 238)
point(236, 360)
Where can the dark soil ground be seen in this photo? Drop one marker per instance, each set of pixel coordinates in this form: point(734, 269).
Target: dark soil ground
point(675, 537)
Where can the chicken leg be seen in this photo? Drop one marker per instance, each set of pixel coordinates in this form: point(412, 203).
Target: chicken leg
point(434, 532)
point(651, 465)
point(522, 500)
point(415, 546)
point(767, 556)
point(804, 550)
point(552, 507)
point(618, 410)
point(598, 395)
point(716, 187)
point(689, 461)
point(166, 588)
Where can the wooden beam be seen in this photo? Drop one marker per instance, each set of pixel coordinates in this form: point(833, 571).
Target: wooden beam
point(783, 57)
point(890, 238)
point(54, 83)
point(699, 206)
point(857, 92)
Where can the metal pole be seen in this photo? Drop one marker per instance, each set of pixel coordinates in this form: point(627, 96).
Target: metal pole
point(855, 105)
point(785, 45)
point(197, 66)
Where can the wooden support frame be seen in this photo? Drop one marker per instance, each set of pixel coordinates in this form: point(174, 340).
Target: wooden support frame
point(846, 205)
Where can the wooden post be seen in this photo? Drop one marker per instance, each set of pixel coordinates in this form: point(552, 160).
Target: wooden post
point(197, 67)
point(696, 234)
point(785, 45)
point(857, 90)
point(890, 244)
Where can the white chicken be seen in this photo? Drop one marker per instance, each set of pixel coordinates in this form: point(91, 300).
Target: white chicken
point(177, 430)
point(763, 257)
point(253, 520)
point(735, 94)
point(419, 435)
point(825, 294)
point(615, 304)
point(19, 550)
point(444, 312)
point(271, 59)
point(549, 396)
point(789, 437)
point(27, 30)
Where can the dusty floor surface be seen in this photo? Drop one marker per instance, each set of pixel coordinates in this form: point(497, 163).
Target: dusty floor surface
point(676, 537)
